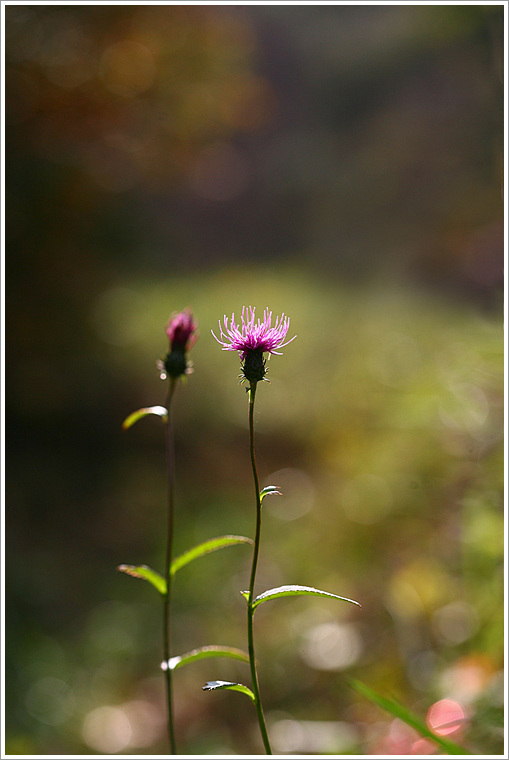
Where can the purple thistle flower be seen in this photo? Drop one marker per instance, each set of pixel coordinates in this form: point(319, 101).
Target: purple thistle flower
point(252, 339)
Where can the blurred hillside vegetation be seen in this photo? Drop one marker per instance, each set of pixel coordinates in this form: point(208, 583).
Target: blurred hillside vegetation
point(342, 164)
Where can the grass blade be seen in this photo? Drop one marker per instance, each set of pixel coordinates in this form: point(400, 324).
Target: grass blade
point(211, 545)
point(215, 685)
point(204, 652)
point(147, 574)
point(275, 593)
point(269, 491)
point(159, 411)
point(411, 719)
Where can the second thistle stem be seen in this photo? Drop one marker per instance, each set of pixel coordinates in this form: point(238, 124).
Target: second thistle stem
point(256, 550)
point(170, 466)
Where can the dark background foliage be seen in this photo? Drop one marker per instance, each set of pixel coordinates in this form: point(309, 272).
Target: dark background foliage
point(342, 164)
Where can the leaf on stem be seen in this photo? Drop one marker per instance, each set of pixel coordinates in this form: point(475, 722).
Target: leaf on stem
point(204, 652)
point(269, 491)
point(211, 545)
point(214, 685)
point(147, 574)
point(400, 711)
point(275, 593)
point(159, 411)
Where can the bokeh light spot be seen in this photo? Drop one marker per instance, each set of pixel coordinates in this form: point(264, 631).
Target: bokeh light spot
point(107, 730)
point(298, 494)
point(417, 588)
point(127, 68)
point(446, 717)
point(50, 700)
point(466, 408)
point(148, 724)
point(455, 623)
point(332, 646)
point(67, 53)
point(317, 736)
point(467, 679)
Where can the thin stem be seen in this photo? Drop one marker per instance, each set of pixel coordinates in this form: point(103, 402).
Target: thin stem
point(256, 550)
point(170, 468)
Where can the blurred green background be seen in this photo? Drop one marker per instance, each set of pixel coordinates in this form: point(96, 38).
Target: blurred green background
point(342, 164)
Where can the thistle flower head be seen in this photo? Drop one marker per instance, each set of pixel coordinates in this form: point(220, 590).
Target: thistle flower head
point(254, 338)
point(182, 334)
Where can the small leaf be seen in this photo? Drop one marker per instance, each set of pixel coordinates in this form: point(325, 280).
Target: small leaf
point(159, 411)
point(211, 545)
point(214, 685)
point(147, 574)
point(275, 593)
point(269, 491)
point(204, 652)
point(400, 711)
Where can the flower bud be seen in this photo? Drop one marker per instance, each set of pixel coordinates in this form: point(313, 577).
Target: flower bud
point(182, 334)
point(181, 331)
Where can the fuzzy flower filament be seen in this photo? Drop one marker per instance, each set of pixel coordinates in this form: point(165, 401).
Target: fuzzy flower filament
point(252, 339)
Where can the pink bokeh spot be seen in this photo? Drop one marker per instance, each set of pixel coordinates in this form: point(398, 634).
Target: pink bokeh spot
point(424, 747)
point(446, 717)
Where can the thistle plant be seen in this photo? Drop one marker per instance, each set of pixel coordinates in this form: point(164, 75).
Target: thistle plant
point(182, 334)
point(253, 340)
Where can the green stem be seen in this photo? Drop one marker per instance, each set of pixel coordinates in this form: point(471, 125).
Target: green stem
point(256, 550)
point(170, 467)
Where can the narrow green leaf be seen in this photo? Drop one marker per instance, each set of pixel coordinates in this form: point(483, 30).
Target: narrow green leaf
point(275, 593)
point(408, 717)
point(269, 491)
point(211, 545)
point(159, 411)
point(214, 685)
point(203, 652)
point(147, 574)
